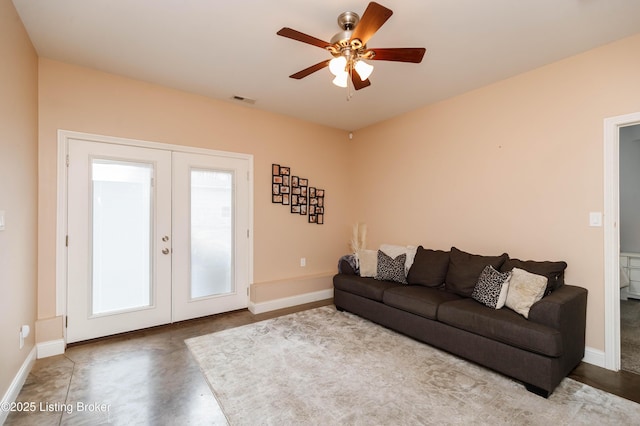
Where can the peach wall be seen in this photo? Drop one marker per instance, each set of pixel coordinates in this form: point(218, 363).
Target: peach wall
point(18, 192)
point(515, 166)
point(512, 167)
point(85, 100)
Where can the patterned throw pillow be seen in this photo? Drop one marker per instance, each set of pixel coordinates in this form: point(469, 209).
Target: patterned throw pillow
point(491, 288)
point(391, 269)
point(395, 251)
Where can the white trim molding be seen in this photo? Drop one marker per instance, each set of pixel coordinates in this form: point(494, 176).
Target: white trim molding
point(61, 224)
point(16, 384)
point(594, 357)
point(612, 127)
point(50, 348)
point(287, 302)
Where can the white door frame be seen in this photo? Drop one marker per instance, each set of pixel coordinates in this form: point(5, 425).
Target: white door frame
point(612, 127)
point(61, 211)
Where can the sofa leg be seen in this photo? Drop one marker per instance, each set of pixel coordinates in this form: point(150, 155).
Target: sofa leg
point(339, 309)
point(538, 391)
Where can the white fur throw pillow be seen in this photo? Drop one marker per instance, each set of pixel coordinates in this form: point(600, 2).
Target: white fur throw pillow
point(368, 261)
point(525, 289)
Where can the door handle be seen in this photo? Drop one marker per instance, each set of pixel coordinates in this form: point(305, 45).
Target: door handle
point(165, 251)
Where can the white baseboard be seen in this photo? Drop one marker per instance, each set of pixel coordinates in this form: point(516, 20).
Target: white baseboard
point(594, 356)
point(17, 382)
point(287, 302)
point(50, 348)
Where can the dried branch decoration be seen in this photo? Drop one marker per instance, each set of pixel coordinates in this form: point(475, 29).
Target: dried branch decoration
point(359, 237)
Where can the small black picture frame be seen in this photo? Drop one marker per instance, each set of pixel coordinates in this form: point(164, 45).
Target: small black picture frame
point(316, 205)
point(280, 184)
point(300, 189)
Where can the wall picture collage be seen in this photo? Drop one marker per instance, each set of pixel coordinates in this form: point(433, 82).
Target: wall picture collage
point(295, 192)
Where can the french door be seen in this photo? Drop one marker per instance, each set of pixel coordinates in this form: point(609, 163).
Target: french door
point(154, 236)
point(210, 235)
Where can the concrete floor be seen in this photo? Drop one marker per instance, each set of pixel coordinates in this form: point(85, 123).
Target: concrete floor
point(144, 377)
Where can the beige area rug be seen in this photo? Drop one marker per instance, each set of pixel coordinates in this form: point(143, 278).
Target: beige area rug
point(332, 368)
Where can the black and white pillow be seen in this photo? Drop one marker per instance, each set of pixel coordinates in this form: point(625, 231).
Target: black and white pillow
point(391, 269)
point(491, 288)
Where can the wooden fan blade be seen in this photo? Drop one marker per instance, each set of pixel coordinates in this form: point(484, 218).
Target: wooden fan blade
point(357, 82)
point(305, 38)
point(313, 68)
point(373, 18)
point(402, 54)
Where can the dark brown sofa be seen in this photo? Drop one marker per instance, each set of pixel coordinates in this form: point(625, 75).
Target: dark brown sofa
point(435, 308)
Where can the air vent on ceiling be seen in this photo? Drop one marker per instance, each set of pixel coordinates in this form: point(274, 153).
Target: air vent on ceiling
point(243, 99)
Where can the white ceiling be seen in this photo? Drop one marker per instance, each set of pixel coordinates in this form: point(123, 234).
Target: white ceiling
point(222, 48)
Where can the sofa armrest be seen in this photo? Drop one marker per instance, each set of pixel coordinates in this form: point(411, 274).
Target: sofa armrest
point(566, 311)
point(567, 305)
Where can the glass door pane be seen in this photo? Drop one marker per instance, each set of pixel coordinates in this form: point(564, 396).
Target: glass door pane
point(211, 233)
point(121, 235)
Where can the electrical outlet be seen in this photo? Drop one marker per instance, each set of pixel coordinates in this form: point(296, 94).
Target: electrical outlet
point(303, 262)
point(24, 332)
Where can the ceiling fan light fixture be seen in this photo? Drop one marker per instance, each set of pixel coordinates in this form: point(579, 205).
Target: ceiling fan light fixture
point(349, 48)
point(341, 79)
point(338, 65)
point(364, 69)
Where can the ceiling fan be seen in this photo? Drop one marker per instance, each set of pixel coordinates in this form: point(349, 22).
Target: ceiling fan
point(349, 48)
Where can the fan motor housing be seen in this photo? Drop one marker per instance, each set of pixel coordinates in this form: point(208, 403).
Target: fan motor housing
point(348, 20)
point(341, 43)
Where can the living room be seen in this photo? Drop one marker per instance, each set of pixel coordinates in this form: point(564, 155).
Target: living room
point(514, 166)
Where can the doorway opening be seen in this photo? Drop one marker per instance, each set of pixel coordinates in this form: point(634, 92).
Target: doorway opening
point(612, 271)
point(630, 248)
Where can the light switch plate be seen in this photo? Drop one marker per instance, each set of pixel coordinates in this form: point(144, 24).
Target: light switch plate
point(595, 219)
point(1, 220)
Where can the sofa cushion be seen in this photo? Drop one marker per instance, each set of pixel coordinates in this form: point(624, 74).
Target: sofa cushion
point(491, 288)
point(391, 269)
point(554, 271)
point(429, 268)
point(502, 325)
point(465, 268)
point(417, 299)
point(362, 286)
point(525, 289)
